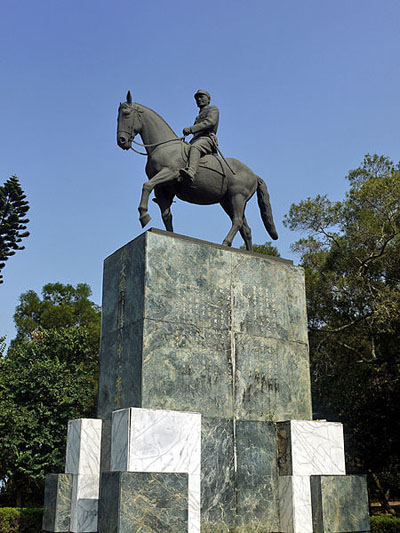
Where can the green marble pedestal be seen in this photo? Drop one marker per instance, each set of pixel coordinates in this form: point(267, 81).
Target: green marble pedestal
point(192, 326)
point(339, 504)
point(57, 502)
point(143, 502)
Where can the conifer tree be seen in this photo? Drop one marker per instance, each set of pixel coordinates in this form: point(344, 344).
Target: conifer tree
point(13, 224)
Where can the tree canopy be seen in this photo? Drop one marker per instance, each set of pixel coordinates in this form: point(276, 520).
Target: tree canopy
point(266, 249)
point(13, 224)
point(351, 256)
point(60, 306)
point(47, 377)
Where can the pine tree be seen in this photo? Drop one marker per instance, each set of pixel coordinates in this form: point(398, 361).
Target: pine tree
point(13, 209)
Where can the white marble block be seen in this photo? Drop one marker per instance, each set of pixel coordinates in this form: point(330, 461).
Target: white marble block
point(295, 504)
point(83, 446)
point(85, 500)
point(150, 440)
point(309, 448)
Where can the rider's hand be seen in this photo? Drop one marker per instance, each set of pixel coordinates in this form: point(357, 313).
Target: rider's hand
point(186, 131)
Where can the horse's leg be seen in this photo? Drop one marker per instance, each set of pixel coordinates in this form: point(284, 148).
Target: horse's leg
point(164, 201)
point(245, 232)
point(164, 176)
point(236, 207)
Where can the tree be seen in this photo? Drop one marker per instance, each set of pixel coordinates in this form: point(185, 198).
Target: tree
point(44, 382)
point(351, 258)
point(48, 376)
point(267, 249)
point(60, 306)
point(13, 209)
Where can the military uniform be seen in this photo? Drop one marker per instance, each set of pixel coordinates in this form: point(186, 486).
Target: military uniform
point(204, 141)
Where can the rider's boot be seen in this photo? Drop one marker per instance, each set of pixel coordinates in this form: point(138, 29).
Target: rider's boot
point(193, 164)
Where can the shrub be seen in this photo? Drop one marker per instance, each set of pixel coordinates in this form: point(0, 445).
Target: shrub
point(20, 520)
point(385, 524)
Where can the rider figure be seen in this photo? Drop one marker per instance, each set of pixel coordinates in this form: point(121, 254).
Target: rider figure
point(203, 130)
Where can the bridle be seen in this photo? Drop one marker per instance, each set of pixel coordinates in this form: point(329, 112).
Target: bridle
point(130, 135)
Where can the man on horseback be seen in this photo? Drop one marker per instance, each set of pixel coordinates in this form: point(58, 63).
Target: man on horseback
point(204, 129)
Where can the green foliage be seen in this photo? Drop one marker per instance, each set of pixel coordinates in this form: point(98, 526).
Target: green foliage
point(267, 249)
point(60, 306)
point(20, 520)
point(385, 524)
point(13, 209)
point(49, 376)
point(351, 257)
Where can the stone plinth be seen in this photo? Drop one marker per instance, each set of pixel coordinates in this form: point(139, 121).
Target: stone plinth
point(340, 504)
point(149, 440)
point(143, 502)
point(57, 503)
point(192, 326)
point(310, 448)
point(187, 325)
point(83, 446)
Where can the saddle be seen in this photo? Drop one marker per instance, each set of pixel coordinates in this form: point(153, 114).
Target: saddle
point(211, 162)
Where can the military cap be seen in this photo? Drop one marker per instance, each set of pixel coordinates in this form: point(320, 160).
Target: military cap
point(201, 91)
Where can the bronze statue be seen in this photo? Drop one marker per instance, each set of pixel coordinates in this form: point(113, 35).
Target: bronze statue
point(230, 183)
point(204, 132)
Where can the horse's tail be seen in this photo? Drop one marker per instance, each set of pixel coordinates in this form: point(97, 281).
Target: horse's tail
point(265, 208)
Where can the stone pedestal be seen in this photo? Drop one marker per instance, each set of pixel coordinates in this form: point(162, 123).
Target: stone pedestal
point(204, 344)
point(192, 326)
point(163, 442)
point(188, 325)
point(71, 499)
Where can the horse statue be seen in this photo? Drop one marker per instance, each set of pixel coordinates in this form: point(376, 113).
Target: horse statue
point(228, 182)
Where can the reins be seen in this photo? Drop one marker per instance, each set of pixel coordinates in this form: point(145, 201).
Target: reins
point(154, 144)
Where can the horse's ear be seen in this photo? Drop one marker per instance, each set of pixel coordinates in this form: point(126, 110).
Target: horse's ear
point(129, 97)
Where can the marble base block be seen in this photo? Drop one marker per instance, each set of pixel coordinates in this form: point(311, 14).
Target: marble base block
point(83, 446)
point(143, 502)
point(218, 493)
point(57, 503)
point(149, 440)
point(295, 504)
point(85, 499)
point(340, 504)
point(257, 476)
point(308, 448)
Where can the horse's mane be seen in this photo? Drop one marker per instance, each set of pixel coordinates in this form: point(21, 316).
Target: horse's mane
point(157, 115)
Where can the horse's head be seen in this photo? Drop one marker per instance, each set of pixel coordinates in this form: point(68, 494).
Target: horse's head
point(129, 123)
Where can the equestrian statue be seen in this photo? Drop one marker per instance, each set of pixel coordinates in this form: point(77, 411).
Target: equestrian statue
point(195, 172)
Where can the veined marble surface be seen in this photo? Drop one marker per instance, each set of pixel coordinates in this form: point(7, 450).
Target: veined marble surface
point(340, 503)
point(311, 448)
point(83, 446)
point(85, 499)
point(144, 501)
point(295, 504)
point(149, 440)
point(57, 502)
point(190, 326)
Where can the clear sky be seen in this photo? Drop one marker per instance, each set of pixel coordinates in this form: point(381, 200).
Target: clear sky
point(305, 89)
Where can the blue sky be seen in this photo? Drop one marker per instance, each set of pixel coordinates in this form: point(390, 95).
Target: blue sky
point(305, 88)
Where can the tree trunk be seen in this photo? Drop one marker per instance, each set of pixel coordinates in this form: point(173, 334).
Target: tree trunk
point(381, 495)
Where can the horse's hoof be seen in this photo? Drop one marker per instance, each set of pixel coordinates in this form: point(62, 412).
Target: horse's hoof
point(226, 243)
point(145, 219)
